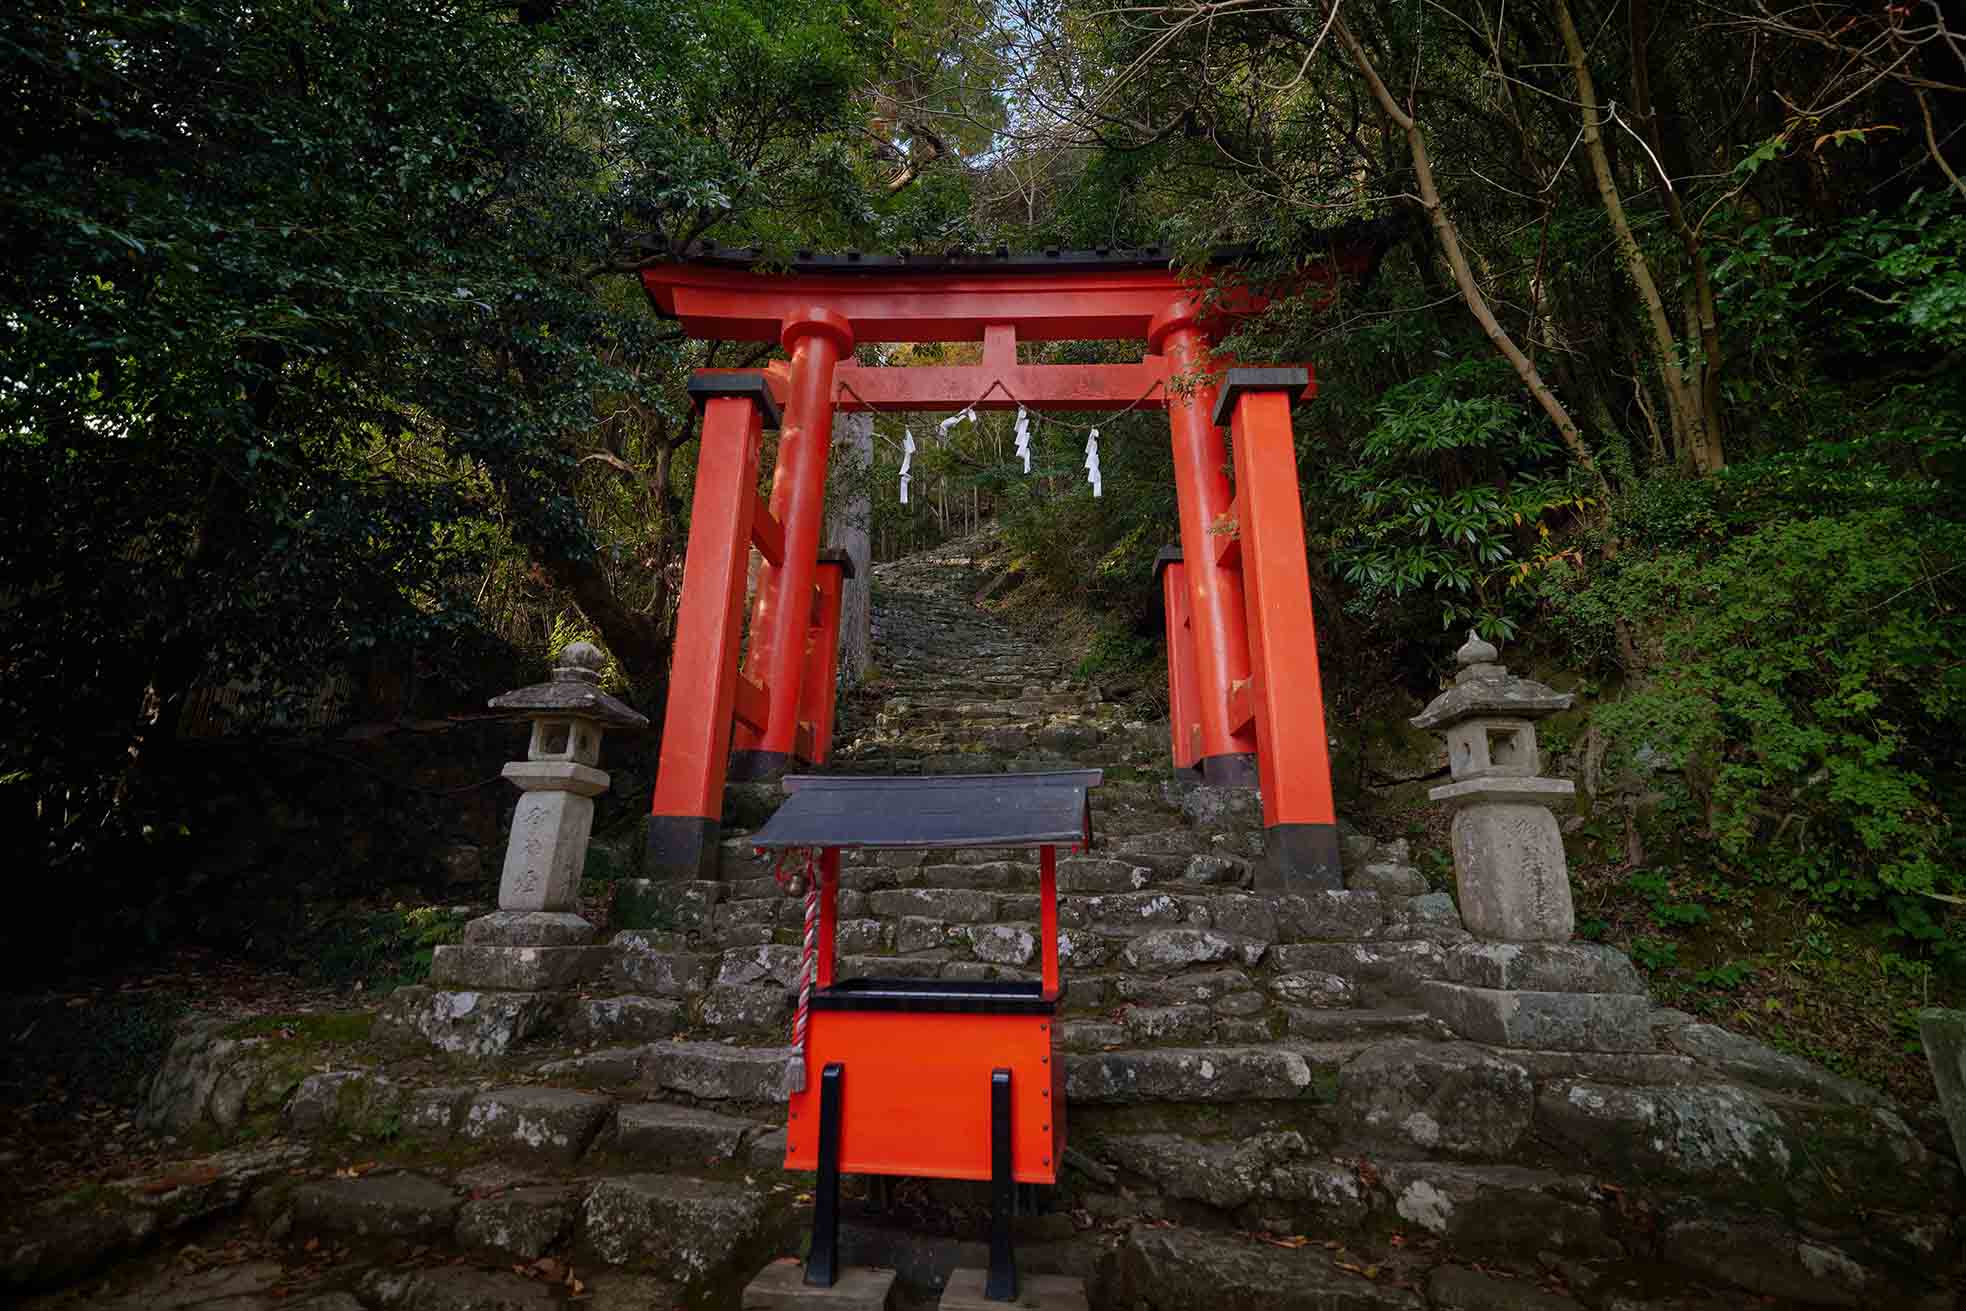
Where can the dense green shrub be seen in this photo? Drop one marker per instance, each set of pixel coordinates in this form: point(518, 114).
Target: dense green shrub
point(1810, 683)
point(379, 949)
point(1451, 496)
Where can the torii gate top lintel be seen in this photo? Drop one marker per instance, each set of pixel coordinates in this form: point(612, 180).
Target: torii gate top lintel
point(998, 299)
point(1054, 295)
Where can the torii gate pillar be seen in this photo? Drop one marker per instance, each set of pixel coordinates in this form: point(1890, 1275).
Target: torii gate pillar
point(816, 339)
point(1212, 611)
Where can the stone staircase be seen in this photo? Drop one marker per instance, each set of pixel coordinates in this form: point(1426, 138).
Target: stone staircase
point(1262, 1113)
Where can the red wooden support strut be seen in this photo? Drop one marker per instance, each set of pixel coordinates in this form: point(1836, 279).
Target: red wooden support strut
point(1300, 837)
point(829, 916)
point(1048, 918)
point(820, 687)
point(1183, 694)
point(686, 816)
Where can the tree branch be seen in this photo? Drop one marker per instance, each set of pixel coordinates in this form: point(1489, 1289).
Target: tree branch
point(1457, 260)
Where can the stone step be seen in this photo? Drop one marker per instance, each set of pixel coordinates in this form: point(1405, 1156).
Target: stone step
point(1293, 1071)
point(1163, 1268)
point(664, 1136)
point(624, 1017)
point(658, 964)
point(718, 1072)
point(1377, 969)
point(688, 1229)
point(1160, 929)
point(683, 1225)
point(1352, 1024)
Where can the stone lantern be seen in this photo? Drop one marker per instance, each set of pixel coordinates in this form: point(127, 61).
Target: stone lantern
point(558, 777)
point(512, 973)
point(1508, 850)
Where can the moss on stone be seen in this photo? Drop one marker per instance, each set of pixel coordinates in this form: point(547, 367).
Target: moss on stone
point(332, 1027)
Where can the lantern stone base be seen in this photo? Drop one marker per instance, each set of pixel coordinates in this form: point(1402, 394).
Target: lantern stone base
point(529, 928)
point(1546, 1021)
point(548, 846)
point(517, 969)
point(781, 1286)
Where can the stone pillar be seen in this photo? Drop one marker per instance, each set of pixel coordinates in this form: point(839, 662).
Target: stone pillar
point(1944, 1034)
point(1523, 983)
point(493, 989)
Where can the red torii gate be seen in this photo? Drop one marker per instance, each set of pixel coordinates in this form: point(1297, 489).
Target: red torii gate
point(1247, 706)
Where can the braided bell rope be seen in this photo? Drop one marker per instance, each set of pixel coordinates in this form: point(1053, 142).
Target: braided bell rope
point(796, 1071)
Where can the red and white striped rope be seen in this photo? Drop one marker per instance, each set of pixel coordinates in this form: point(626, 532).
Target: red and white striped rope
point(806, 968)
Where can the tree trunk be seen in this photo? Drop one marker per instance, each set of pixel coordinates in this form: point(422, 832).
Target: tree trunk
point(1684, 407)
point(1457, 260)
point(1702, 314)
point(846, 528)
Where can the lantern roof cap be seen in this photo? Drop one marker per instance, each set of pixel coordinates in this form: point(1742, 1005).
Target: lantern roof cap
point(574, 692)
point(1485, 689)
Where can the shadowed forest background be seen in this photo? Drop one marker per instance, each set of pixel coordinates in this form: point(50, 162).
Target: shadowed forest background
point(329, 404)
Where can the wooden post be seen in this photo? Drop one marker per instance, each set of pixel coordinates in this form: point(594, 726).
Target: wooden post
point(1285, 696)
point(1183, 694)
point(685, 823)
point(847, 525)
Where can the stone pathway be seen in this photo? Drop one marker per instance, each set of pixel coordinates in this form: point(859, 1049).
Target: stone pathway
point(1261, 1116)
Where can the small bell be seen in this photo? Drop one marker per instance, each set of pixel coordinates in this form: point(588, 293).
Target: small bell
point(795, 886)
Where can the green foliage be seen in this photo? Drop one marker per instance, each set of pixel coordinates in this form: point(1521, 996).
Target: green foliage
point(1811, 686)
point(334, 1028)
point(104, 1049)
point(1727, 977)
point(1899, 279)
point(1452, 494)
point(1656, 890)
point(1115, 648)
point(1654, 953)
point(379, 949)
point(307, 321)
point(603, 865)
